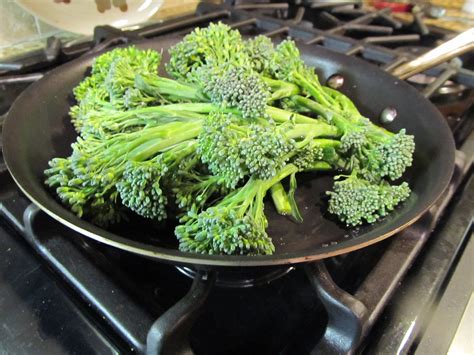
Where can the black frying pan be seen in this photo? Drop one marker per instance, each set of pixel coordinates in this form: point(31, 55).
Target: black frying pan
point(37, 129)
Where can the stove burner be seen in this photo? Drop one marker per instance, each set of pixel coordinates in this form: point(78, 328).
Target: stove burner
point(449, 88)
point(242, 278)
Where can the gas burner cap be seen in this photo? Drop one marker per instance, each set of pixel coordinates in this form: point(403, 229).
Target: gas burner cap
point(448, 88)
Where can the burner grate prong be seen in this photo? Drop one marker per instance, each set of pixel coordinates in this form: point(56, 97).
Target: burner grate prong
point(365, 19)
point(394, 63)
point(170, 332)
point(276, 6)
point(299, 15)
point(279, 31)
point(391, 21)
point(346, 314)
point(355, 49)
point(452, 68)
point(392, 39)
point(369, 28)
point(244, 23)
point(331, 18)
point(316, 40)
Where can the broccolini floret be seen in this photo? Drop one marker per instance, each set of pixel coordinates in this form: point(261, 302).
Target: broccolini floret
point(140, 186)
point(355, 200)
point(373, 150)
point(87, 181)
point(287, 65)
point(238, 88)
point(217, 60)
point(235, 225)
point(205, 49)
point(99, 71)
point(95, 91)
point(123, 69)
point(126, 79)
point(260, 52)
point(307, 155)
point(92, 198)
point(235, 150)
point(194, 190)
point(381, 154)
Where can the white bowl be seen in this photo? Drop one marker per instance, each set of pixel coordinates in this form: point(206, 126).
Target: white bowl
point(81, 16)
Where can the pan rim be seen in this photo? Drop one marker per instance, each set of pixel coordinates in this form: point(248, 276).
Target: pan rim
point(174, 255)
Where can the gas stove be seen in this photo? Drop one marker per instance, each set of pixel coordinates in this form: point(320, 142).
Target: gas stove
point(62, 292)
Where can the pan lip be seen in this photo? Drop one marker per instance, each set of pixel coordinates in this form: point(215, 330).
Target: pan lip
point(174, 255)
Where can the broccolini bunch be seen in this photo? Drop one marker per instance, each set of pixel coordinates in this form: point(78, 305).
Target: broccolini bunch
point(206, 145)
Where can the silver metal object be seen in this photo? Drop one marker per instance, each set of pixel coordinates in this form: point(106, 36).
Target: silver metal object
point(460, 44)
point(435, 11)
point(335, 81)
point(449, 87)
point(388, 115)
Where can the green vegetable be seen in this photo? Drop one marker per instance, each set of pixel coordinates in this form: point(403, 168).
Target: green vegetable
point(355, 200)
point(376, 152)
point(234, 120)
point(234, 149)
point(235, 225)
point(240, 89)
point(128, 165)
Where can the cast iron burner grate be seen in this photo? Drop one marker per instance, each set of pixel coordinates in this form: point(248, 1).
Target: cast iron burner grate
point(161, 314)
point(327, 24)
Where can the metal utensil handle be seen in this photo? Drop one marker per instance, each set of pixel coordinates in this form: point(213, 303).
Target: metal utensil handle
point(456, 46)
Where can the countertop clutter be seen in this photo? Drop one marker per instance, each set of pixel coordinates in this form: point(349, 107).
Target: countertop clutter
point(22, 31)
point(454, 15)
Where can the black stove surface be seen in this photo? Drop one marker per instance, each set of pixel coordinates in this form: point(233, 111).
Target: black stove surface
point(63, 293)
point(39, 316)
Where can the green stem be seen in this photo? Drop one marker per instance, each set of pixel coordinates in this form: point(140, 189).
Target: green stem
point(281, 89)
point(326, 143)
point(157, 86)
point(315, 107)
point(154, 146)
point(295, 212)
point(314, 89)
point(176, 109)
point(287, 170)
point(344, 123)
point(280, 199)
point(346, 104)
point(319, 166)
point(316, 129)
point(282, 116)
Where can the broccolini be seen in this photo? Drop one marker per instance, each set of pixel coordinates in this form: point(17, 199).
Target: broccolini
point(234, 120)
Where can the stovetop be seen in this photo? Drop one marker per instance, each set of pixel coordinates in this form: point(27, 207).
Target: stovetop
point(62, 292)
